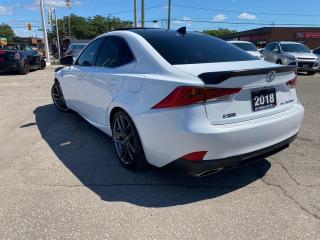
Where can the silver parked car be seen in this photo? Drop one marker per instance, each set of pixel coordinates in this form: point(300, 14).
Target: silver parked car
point(75, 49)
point(292, 53)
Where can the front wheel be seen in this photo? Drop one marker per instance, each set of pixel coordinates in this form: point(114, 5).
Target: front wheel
point(43, 65)
point(58, 98)
point(127, 142)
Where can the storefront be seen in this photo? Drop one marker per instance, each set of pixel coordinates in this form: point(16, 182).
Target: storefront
point(262, 36)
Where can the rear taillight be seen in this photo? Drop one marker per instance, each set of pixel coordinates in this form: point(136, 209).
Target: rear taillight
point(183, 96)
point(292, 83)
point(2, 52)
point(17, 56)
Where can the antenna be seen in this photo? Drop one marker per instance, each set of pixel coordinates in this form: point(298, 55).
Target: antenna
point(182, 30)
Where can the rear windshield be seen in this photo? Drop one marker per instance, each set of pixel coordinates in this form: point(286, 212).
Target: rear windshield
point(245, 46)
point(194, 48)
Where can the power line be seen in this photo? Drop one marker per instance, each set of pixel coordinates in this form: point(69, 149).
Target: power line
point(236, 11)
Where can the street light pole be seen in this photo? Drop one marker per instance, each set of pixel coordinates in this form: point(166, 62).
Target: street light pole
point(44, 29)
point(169, 13)
point(142, 13)
point(57, 31)
point(135, 13)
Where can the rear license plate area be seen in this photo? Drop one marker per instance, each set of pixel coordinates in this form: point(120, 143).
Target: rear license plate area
point(263, 99)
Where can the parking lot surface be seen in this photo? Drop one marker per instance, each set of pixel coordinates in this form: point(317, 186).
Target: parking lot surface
point(60, 179)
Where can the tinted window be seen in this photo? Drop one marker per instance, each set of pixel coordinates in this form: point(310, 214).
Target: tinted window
point(88, 56)
point(193, 48)
point(77, 46)
point(245, 46)
point(293, 47)
point(316, 51)
point(270, 47)
point(114, 52)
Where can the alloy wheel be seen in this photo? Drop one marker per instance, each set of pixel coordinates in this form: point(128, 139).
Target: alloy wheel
point(123, 137)
point(58, 98)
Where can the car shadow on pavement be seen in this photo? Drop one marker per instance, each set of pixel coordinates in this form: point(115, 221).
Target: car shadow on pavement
point(89, 155)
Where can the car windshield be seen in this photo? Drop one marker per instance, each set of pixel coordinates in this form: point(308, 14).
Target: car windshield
point(293, 47)
point(77, 46)
point(245, 46)
point(192, 48)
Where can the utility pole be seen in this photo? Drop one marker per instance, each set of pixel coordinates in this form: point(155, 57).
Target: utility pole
point(69, 27)
point(142, 13)
point(169, 13)
point(135, 13)
point(44, 29)
point(57, 31)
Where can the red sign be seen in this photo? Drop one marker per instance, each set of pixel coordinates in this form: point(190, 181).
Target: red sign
point(308, 35)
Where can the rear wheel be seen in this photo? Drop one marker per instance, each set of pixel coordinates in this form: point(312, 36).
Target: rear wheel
point(127, 142)
point(24, 68)
point(58, 98)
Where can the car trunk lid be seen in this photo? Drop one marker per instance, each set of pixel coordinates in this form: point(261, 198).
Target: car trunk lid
point(264, 89)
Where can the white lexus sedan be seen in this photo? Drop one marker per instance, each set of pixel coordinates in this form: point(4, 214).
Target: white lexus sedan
point(181, 99)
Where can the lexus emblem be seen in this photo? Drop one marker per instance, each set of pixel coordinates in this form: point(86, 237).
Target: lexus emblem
point(271, 76)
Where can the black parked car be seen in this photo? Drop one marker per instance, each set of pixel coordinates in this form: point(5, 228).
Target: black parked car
point(20, 58)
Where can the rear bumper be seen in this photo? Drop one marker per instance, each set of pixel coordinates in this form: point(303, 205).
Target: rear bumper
point(170, 134)
point(197, 167)
point(9, 65)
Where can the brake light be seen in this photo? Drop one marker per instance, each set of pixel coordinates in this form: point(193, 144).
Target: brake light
point(195, 156)
point(292, 83)
point(183, 96)
point(2, 52)
point(17, 56)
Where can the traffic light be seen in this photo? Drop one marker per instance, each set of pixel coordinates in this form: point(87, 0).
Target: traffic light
point(68, 3)
point(29, 26)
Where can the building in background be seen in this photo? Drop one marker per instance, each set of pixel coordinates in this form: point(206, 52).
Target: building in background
point(32, 41)
point(261, 36)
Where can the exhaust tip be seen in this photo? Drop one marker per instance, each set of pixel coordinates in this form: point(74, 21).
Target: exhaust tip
point(207, 172)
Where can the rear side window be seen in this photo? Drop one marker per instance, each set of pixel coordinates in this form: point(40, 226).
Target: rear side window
point(114, 52)
point(88, 56)
point(194, 48)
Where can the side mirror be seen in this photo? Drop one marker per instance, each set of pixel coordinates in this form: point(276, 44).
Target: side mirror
point(67, 60)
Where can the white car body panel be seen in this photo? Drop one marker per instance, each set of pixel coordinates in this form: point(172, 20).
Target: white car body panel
point(168, 134)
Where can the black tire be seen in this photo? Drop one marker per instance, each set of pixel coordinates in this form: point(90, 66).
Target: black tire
point(43, 64)
point(58, 98)
point(310, 73)
point(24, 67)
point(279, 62)
point(127, 142)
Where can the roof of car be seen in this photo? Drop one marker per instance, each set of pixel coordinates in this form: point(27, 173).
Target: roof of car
point(154, 32)
point(236, 41)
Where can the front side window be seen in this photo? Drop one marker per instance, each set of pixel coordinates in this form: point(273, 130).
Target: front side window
point(89, 55)
point(192, 48)
point(114, 52)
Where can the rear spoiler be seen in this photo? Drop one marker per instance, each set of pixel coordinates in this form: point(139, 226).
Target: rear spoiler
point(219, 77)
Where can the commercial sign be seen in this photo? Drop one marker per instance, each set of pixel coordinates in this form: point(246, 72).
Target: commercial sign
point(307, 35)
point(3, 41)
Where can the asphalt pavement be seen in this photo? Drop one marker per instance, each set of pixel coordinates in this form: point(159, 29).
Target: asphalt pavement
point(60, 179)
